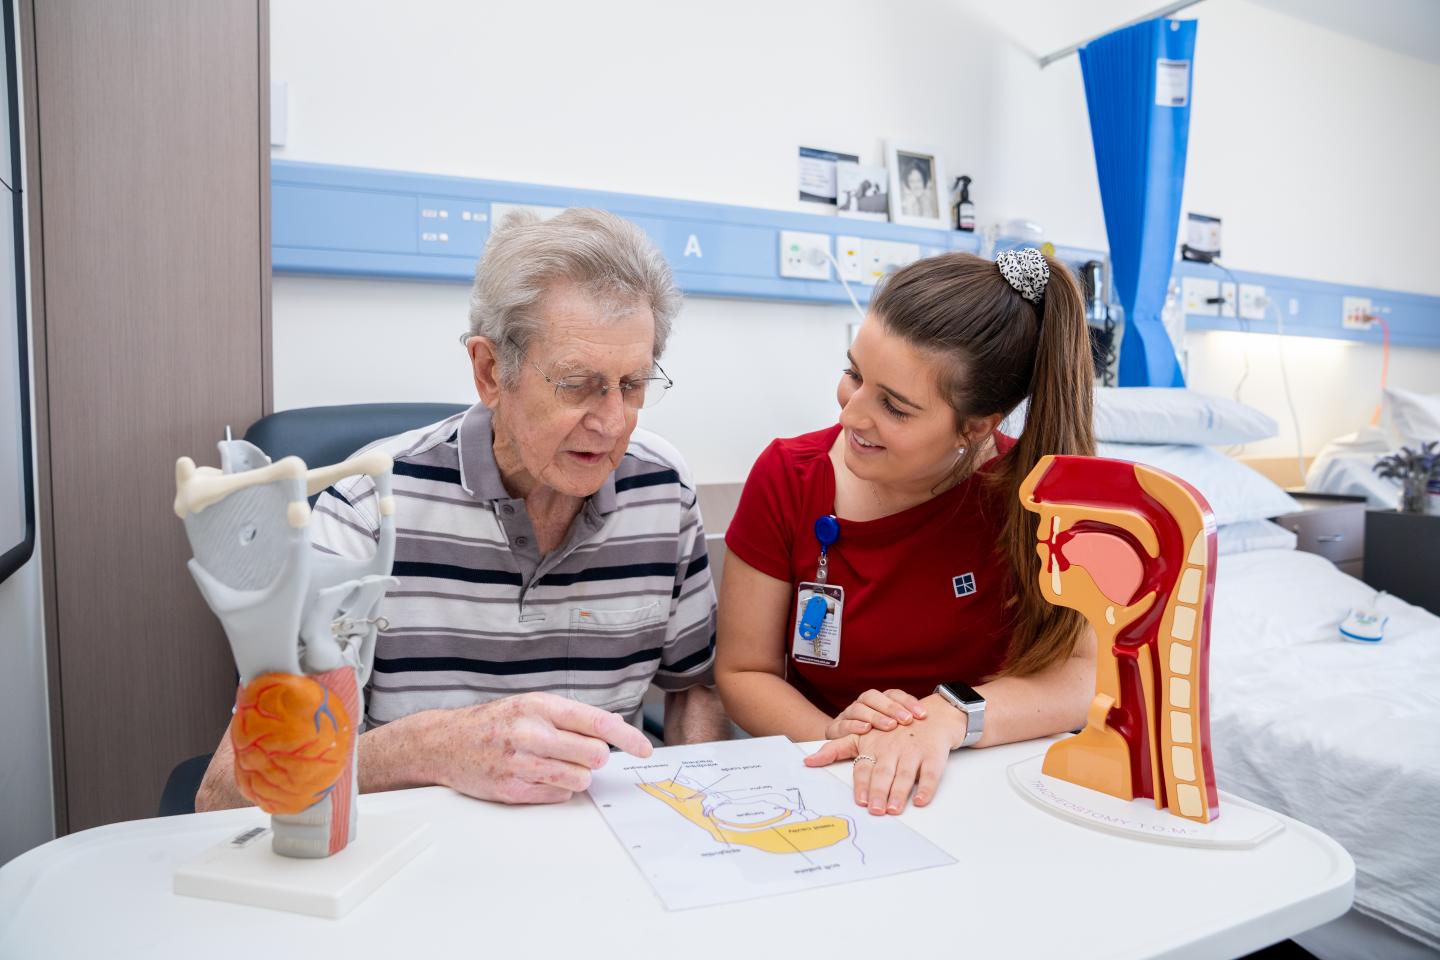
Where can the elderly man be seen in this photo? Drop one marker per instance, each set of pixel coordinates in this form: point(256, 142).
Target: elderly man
point(552, 563)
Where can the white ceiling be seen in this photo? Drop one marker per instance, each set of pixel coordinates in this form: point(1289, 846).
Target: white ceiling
point(1044, 26)
point(1406, 26)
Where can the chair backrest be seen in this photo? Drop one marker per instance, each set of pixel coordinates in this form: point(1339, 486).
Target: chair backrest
point(326, 435)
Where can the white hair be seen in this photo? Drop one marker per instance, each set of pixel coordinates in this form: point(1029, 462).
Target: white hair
point(607, 257)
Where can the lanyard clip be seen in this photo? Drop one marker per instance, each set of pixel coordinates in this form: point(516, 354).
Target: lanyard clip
point(827, 531)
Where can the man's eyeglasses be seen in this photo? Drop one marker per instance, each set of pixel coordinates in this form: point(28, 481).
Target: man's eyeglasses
point(590, 389)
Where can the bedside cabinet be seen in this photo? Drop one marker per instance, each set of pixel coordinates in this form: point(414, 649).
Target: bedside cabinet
point(1402, 556)
point(1332, 526)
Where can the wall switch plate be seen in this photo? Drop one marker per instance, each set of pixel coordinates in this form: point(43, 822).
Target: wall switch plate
point(1356, 313)
point(849, 253)
point(886, 256)
point(1196, 293)
point(1227, 291)
point(1252, 301)
point(804, 256)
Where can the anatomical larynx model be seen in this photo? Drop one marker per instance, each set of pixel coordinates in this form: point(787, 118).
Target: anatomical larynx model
point(301, 625)
point(1133, 549)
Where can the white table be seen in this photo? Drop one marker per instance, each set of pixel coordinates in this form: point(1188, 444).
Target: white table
point(553, 882)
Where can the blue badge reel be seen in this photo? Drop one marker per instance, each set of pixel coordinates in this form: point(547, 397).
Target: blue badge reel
point(819, 606)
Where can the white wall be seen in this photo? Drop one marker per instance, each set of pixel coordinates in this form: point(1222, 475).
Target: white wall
point(1317, 150)
point(707, 102)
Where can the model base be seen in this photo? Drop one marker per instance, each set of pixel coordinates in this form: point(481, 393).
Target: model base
point(245, 870)
point(1241, 825)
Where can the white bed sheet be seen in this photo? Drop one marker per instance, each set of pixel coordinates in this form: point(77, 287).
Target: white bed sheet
point(1343, 736)
point(1345, 465)
point(1353, 475)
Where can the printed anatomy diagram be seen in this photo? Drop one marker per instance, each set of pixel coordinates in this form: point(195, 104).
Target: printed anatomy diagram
point(775, 821)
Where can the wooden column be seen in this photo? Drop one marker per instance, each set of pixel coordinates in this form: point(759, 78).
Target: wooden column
point(148, 140)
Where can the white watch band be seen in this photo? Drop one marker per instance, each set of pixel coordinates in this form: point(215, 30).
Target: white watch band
point(974, 711)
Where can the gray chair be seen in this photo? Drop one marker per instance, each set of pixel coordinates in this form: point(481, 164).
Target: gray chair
point(325, 435)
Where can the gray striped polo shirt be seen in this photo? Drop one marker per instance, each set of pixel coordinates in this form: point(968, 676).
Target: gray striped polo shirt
point(479, 614)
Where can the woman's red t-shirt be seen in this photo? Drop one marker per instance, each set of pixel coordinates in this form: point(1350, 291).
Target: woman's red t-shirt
point(927, 590)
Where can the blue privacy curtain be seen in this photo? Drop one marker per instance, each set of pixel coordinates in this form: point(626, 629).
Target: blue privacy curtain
point(1137, 86)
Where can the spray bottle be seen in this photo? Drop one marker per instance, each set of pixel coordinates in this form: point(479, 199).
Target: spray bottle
point(962, 210)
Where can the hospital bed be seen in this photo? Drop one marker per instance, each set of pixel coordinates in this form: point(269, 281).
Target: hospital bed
point(1342, 736)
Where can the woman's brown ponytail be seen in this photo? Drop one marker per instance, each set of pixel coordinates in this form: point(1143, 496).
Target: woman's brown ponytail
point(999, 348)
point(1060, 420)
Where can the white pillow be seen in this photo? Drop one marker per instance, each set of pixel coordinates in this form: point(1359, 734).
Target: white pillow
point(1415, 416)
point(1345, 465)
point(1253, 535)
point(1175, 415)
point(1235, 492)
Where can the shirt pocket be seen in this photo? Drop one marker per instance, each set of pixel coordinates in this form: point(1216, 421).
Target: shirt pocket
point(613, 654)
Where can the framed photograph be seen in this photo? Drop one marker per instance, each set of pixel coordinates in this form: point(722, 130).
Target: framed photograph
point(862, 192)
point(919, 190)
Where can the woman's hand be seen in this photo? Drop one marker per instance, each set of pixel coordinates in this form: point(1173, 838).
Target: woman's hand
point(874, 710)
point(901, 757)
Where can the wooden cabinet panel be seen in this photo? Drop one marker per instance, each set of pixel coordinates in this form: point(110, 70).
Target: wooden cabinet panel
point(153, 146)
point(1337, 534)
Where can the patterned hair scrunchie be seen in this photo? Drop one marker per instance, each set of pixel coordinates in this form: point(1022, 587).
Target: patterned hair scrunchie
point(1026, 270)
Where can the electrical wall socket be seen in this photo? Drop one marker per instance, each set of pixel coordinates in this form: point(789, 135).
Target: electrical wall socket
point(886, 256)
point(1356, 313)
point(1196, 292)
point(1227, 291)
point(1252, 301)
point(850, 254)
point(804, 256)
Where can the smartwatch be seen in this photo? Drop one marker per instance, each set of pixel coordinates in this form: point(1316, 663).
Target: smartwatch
point(966, 700)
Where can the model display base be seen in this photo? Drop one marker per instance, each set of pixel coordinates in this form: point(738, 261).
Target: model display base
point(1240, 825)
point(245, 870)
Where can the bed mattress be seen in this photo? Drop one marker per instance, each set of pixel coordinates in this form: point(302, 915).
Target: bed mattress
point(1340, 735)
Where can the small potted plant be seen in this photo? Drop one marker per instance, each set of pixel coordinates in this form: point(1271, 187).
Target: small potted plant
point(1416, 470)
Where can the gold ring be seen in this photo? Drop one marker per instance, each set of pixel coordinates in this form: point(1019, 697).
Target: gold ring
point(864, 756)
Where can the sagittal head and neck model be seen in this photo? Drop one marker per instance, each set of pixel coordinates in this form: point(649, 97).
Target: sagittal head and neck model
point(1133, 549)
point(301, 625)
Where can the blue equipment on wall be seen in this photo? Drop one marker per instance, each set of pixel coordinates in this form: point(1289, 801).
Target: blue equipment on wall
point(1137, 86)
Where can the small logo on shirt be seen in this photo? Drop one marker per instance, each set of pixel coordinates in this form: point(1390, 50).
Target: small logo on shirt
point(964, 584)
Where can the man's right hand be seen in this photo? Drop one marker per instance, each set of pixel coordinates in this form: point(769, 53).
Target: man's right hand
point(529, 748)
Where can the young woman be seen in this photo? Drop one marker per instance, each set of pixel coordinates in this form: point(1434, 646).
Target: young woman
point(934, 558)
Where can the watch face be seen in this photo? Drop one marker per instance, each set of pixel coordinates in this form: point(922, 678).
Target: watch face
point(964, 693)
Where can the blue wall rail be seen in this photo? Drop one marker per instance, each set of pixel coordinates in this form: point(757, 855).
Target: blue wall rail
point(350, 221)
point(1311, 308)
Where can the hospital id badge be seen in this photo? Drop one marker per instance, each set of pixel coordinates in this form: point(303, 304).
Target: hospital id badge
point(818, 610)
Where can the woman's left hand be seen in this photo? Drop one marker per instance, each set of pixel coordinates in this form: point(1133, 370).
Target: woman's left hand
point(901, 757)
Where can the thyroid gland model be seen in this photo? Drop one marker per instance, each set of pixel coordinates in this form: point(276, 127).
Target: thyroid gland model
point(301, 625)
point(1133, 550)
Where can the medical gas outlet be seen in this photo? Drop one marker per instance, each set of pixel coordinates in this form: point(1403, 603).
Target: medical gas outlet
point(804, 256)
